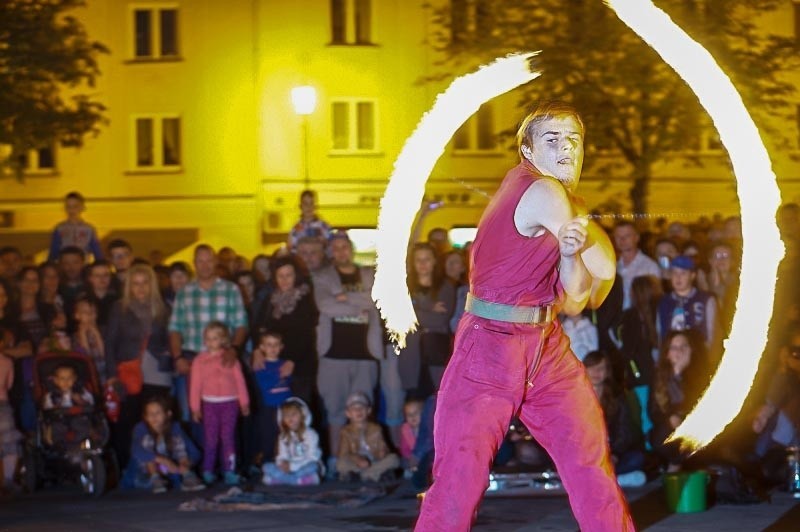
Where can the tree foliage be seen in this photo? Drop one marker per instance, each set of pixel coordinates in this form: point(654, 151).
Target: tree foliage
point(46, 59)
point(630, 100)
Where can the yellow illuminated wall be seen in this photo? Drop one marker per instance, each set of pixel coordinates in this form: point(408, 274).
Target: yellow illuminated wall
point(242, 144)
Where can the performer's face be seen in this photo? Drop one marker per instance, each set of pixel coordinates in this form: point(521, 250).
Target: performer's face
point(557, 147)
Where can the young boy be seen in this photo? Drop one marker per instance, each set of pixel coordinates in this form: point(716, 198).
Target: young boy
point(272, 377)
point(65, 395)
point(69, 429)
point(363, 452)
point(74, 231)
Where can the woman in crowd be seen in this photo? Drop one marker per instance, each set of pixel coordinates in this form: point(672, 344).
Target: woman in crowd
point(454, 265)
point(16, 345)
point(35, 317)
point(624, 435)
point(680, 377)
point(291, 311)
point(137, 345)
point(427, 351)
point(49, 280)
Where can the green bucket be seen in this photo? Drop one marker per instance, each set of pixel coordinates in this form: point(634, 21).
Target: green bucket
point(686, 491)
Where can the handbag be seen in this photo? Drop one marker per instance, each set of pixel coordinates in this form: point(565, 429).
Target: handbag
point(130, 373)
point(435, 348)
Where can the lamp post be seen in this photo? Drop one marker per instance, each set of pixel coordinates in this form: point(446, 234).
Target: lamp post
point(304, 101)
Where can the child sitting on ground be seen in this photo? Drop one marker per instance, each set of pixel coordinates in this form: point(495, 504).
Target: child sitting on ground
point(298, 459)
point(272, 377)
point(161, 452)
point(363, 453)
point(412, 411)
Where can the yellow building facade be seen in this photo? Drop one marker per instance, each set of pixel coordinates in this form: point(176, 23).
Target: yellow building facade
point(203, 143)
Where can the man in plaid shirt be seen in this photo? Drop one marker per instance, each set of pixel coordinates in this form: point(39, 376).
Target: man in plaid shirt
point(208, 298)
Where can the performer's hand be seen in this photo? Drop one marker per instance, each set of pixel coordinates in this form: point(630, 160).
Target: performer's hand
point(572, 236)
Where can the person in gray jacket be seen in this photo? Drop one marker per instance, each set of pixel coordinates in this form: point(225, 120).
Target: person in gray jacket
point(349, 337)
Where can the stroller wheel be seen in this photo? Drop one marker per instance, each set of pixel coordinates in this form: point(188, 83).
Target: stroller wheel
point(93, 475)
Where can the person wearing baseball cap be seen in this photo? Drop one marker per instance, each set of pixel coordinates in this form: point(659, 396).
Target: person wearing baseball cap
point(685, 306)
point(363, 453)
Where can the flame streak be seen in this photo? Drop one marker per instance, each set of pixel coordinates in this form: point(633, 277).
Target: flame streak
point(406, 186)
point(759, 198)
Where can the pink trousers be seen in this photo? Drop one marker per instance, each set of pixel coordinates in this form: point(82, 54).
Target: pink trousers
point(499, 370)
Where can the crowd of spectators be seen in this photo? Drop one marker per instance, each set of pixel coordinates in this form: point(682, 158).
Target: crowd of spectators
point(292, 345)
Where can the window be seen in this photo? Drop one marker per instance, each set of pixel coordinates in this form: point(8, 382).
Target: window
point(155, 32)
point(796, 7)
point(157, 142)
point(354, 125)
point(798, 126)
point(351, 21)
point(42, 160)
point(477, 133)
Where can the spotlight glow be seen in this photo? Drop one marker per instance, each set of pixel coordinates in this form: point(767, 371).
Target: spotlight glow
point(759, 198)
point(406, 186)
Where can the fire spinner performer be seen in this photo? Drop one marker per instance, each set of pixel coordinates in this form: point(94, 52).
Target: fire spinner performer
point(535, 254)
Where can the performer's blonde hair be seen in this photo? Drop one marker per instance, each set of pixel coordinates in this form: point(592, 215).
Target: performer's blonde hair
point(544, 111)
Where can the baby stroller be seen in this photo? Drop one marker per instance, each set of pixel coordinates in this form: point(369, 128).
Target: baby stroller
point(68, 442)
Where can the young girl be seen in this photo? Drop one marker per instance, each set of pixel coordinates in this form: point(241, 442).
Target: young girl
point(272, 377)
point(216, 393)
point(297, 462)
point(161, 451)
point(87, 338)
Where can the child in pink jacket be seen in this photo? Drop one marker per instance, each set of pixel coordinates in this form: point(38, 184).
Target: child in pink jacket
point(216, 393)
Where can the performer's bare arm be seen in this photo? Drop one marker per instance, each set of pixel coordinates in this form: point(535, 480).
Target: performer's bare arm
point(587, 259)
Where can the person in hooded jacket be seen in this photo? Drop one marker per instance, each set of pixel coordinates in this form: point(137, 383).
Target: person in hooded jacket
point(297, 461)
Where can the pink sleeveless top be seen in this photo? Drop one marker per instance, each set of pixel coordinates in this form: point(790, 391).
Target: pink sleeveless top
point(508, 267)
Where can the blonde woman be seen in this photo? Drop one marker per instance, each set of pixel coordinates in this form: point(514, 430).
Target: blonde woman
point(136, 344)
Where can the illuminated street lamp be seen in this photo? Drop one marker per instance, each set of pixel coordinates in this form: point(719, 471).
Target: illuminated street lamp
point(304, 101)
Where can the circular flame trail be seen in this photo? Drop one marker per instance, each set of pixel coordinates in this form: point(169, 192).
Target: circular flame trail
point(759, 198)
point(406, 186)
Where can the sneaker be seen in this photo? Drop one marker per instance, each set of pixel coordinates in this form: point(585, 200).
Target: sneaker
point(232, 479)
point(158, 484)
point(209, 477)
point(190, 482)
point(311, 479)
point(634, 479)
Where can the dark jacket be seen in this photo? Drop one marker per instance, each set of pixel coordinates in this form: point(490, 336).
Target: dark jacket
point(125, 334)
point(299, 332)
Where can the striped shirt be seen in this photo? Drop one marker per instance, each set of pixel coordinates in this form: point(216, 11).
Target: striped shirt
point(194, 308)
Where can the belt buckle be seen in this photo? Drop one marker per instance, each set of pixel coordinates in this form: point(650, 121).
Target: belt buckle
point(542, 314)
